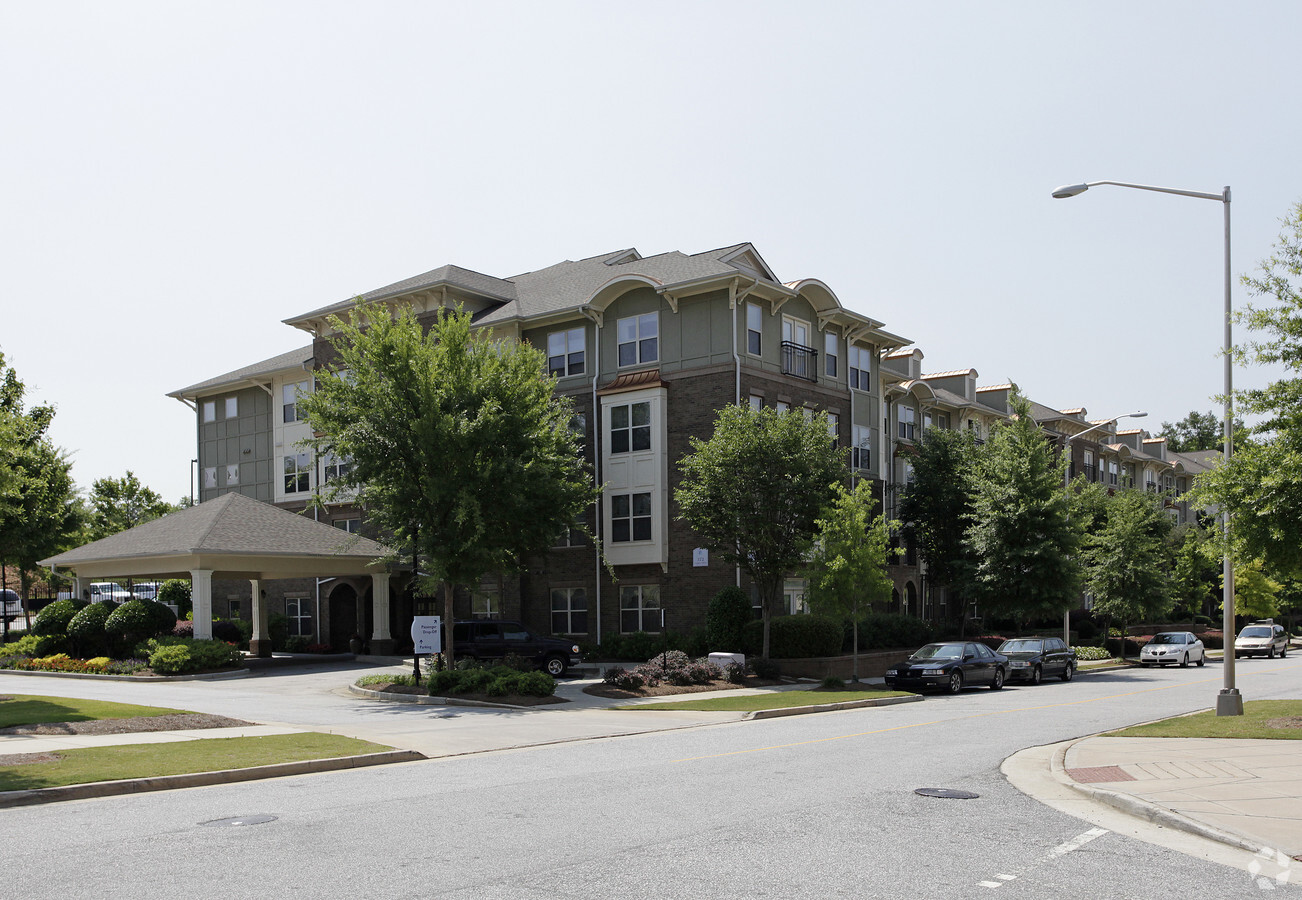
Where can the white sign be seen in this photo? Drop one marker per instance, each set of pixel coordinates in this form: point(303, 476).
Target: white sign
point(700, 557)
point(427, 633)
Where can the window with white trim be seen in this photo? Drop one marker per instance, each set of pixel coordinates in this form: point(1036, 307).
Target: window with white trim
point(298, 473)
point(754, 329)
point(486, 603)
point(630, 427)
point(831, 349)
point(906, 418)
point(569, 611)
point(756, 402)
point(834, 428)
point(639, 608)
point(232, 407)
point(336, 468)
point(299, 612)
point(794, 593)
point(232, 474)
point(352, 525)
point(782, 406)
point(861, 452)
point(630, 517)
point(565, 352)
point(210, 476)
point(210, 410)
point(289, 395)
point(638, 339)
point(861, 367)
point(572, 535)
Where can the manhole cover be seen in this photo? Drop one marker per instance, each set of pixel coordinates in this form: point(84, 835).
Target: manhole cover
point(946, 793)
point(239, 820)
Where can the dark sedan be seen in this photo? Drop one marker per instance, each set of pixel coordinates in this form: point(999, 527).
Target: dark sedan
point(1035, 658)
point(950, 666)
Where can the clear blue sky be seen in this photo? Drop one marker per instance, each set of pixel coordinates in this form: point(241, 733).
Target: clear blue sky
point(178, 178)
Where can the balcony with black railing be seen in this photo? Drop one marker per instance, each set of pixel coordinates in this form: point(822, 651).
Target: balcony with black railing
point(799, 361)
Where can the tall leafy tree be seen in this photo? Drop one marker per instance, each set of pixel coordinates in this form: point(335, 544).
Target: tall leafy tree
point(847, 571)
point(1128, 562)
point(1256, 594)
point(460, 447)
point(117, 504)
point(754, 492)
point(937, 505)
point(1019, 530)
point(1261, 485)
point(1196, 431)
point(1196, 575)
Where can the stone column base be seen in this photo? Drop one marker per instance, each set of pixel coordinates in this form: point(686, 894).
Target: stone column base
point(381, 646)
point(260, 649)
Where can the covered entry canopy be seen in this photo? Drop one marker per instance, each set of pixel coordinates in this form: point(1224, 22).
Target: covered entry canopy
point(234, 536)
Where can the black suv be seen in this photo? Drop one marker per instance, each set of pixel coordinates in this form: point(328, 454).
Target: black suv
point(490, 640)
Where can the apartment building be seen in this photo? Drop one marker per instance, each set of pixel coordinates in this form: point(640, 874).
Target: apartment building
point(648, 349)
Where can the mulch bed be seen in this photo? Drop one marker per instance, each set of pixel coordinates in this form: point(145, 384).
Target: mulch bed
point(175, 722)
point(508, 700)
point(610, 692)
point(1285, 722)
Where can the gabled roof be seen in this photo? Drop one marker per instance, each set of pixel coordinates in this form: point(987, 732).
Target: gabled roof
point(259, 371)
point(231, 533)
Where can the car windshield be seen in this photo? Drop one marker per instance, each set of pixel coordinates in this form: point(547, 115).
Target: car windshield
point(1255, 631)
point(1019, 647)
point(939, 651)
point(1168, 639)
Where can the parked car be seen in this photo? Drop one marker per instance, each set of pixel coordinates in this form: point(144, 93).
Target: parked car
point(146, 590)
point(1180, 647)
point(491, 640)
point(950, 666)
point(11, 605)
point(1031, 659)
point(1265, 638)
point(103, 591)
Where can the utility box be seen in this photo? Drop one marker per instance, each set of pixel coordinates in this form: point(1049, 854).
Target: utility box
point(723, 660)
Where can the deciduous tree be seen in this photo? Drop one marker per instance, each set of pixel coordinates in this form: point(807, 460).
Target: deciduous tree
point(1128, 562)
point(117, 504)
point(937, 506)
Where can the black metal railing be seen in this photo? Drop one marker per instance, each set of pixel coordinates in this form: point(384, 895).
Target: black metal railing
point(799, 361)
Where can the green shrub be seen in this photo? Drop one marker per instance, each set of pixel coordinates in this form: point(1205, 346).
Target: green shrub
point(636, 646)
point(35, 645)
point(54, 618)
point(697, 642)
point(1092, 653)
point(498, 681)
point(832, 683)
point(766, 669)
point(173, 659)
point(277, 630)
point(888, 631)
point(135, 620)
point(176, 591)
point(185, 655)
point(227, 631)
point(163, 618)
point(729, 612)
point(795, 637)
point(296, 644)
point(86, 629)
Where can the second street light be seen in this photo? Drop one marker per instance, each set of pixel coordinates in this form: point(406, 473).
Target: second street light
point(1228, 702)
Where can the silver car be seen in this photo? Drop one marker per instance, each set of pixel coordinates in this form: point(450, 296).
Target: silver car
point(1173, 647)
point(1261, 638)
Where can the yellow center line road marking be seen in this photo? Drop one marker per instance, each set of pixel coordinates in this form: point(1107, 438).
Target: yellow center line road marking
point(980, 715)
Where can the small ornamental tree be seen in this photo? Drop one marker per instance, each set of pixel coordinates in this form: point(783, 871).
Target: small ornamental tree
point(754, 491)
point(1128, 563)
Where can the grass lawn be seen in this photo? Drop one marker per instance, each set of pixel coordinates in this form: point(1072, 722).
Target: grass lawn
point(1252, 724)
point(26, 709)
point(179, 758)
point(769, 700)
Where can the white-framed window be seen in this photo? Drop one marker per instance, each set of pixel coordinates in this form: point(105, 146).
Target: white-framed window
point(486, 603)
point(233, 474)
point(638, 339)
point(298, 473)
point(782, 406)
point(794, 596)
point(754, 329)
point(299, 612)
point(572, 535)
point(289, 395)
point(232, 407)
point(1112, 471)
point(210, 410)
point(569, 611)
point(831, 350)
point(639, 608)
point(335, 467)
point(756, 402)
point(565, 352)
point(975, 427)
point(939, 420)
point(796, 358)
point(210, 476)
point(235, 606)
point(834, 428)
point(861, 452)
point(630, 427)
point(906, 417)
point(352, 525)
point(630, 517)
point(861, 366)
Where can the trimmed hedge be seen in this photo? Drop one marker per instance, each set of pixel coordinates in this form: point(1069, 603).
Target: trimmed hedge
point(54, 619)
point(887, 631)
point(498, 681)
point(86, 628)
point(726, 617)
point(795, 637)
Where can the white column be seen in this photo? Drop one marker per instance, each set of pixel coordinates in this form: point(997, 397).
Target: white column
point(201, 597)
point(77, 587)
point(380, 607)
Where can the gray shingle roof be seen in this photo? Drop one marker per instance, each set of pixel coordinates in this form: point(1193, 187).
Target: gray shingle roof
point(231, 524)
point(291, 360)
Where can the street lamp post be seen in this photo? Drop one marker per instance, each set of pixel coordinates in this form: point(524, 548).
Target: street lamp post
point(1066, 484)
point(1228, 702)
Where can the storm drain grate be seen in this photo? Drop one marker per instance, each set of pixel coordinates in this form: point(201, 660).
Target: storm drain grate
point(234, 821)
point(946, 793)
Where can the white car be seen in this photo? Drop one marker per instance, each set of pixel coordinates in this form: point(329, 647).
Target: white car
point(1179, 647)
point(1265, 638)
point(104, 591)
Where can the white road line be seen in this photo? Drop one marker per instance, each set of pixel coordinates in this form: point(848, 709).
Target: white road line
point(1061, 850)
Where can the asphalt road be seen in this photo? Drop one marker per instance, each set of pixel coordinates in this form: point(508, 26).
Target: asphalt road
point(808, 806)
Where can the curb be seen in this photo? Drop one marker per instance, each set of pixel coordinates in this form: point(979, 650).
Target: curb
point(202, 779)
point(139, 679)
point(828, 707)
point(1143, 809)
point(426, 700)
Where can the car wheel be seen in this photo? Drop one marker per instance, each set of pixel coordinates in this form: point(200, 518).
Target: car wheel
point(1068, 672)
point(1283, 652)
point(998, 681)
point(1202, 660)
point(1270, 654)
point(1184, 661)
point(555, 666)
point(955, 681)
point(1037, 675)
point(1237, 655)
